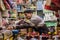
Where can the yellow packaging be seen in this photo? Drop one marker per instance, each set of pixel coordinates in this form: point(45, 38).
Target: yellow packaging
point(2, 5)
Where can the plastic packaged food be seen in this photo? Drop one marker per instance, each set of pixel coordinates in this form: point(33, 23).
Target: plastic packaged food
point(2, 5)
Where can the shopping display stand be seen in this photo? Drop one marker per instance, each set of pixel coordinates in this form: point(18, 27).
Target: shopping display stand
point(14, 12)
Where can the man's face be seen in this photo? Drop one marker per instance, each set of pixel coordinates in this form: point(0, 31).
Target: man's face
point(28, 15)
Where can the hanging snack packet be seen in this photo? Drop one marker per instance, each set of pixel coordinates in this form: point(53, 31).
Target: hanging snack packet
point(6, 4)
point(2, 5)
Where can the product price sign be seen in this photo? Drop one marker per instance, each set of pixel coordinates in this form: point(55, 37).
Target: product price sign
point(49, 23)
point(49, 16)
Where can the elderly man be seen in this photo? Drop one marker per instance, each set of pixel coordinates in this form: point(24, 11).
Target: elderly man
point(35, 21)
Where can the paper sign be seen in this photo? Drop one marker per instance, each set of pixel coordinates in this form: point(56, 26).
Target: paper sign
point(49, 23)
